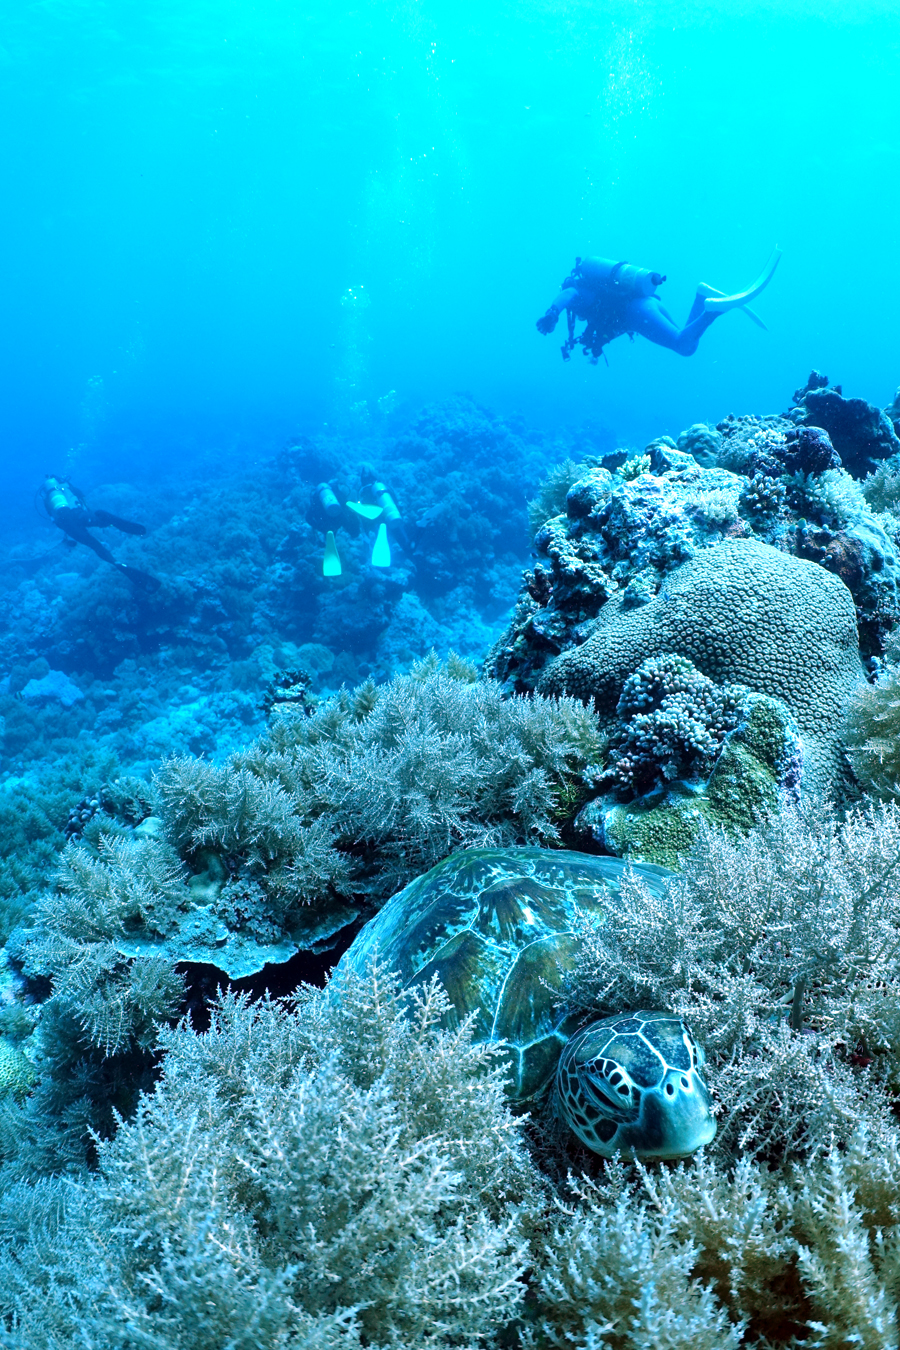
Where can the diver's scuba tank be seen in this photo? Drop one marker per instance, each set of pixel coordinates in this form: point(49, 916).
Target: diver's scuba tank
point(55, 495)
point(383, 498)
point(381, 494)
point(328, 501)
point(621, 278)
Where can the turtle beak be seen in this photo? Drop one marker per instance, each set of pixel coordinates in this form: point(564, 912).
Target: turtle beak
point(676, 1119)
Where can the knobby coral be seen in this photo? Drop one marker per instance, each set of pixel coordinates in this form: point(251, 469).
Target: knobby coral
point(745, 613)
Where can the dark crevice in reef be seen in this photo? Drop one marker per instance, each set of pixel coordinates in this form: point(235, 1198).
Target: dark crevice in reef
point(205, 983)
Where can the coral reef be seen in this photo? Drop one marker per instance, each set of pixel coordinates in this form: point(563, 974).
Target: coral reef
point(698, 550)
point(689, 751)
point(676, 721)
point(892, 411)
point(309, 1195)
point(194, 785)
point(744, 613)
point(347, 1172)
point(873, 734)
point(861, 433)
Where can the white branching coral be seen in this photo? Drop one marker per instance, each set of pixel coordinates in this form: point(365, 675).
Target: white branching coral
point(782, 951)
point(873, 734)
point(396, 777)
point(296, 1179)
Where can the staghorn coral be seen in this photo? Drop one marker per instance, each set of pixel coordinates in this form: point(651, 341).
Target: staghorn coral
point(782, 952)
point(374, 787)
point(873, 734)
point(688, 750)
point(349, 1171)
point(763, 501)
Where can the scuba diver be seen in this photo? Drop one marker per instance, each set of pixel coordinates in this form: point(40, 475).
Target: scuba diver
point(375, 504)
point(614, 298)
point(67, 508)
point(378, 492)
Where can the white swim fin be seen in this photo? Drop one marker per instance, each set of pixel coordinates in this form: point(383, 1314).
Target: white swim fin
point(365, 510)
point(331, 562)
point(381, 551)
point(716, 303)
point(711, 291)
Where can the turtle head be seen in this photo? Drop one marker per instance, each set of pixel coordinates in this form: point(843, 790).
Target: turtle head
point(631, 1084)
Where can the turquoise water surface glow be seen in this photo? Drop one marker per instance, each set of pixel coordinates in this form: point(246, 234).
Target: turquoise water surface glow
point(247, 216)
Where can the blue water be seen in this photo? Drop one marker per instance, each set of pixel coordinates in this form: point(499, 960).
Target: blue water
point(226, 222)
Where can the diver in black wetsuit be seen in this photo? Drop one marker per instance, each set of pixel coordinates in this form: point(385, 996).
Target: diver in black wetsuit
point(614, 298)
point(66, 507)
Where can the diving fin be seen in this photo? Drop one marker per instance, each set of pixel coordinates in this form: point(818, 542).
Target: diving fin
point(331, 563)
point(381, 551)
point(710, 291)
point(139, 578)
point(717, 303)
point(365, 510)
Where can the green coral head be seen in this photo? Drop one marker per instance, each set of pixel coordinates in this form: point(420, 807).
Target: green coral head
point(631, 1084)
point(17, 1074)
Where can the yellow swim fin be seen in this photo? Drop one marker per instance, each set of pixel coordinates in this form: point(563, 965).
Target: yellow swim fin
point(365, 510)
point(331, 563)
point(381, 552)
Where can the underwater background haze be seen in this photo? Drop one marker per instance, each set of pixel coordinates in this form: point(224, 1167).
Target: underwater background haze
point(227, 222)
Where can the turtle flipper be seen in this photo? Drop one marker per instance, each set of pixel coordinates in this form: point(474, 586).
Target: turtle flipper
point(716, 303)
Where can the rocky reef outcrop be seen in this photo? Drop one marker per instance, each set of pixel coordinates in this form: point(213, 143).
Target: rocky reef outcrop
point(747, 550)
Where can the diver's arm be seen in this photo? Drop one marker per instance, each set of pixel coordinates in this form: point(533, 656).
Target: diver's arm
point(547, 322)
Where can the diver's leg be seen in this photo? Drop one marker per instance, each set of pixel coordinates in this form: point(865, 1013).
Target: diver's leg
point(101, 519)
point(73, 521)
point(697, 308)
point(648, 317)
point(79, 533)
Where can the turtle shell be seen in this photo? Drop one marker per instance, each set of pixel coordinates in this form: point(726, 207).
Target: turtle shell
point(497, 926)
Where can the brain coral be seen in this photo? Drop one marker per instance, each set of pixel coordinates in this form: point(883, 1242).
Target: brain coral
point(744, 613)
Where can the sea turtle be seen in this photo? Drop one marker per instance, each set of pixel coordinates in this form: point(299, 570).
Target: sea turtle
point(498, 928)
